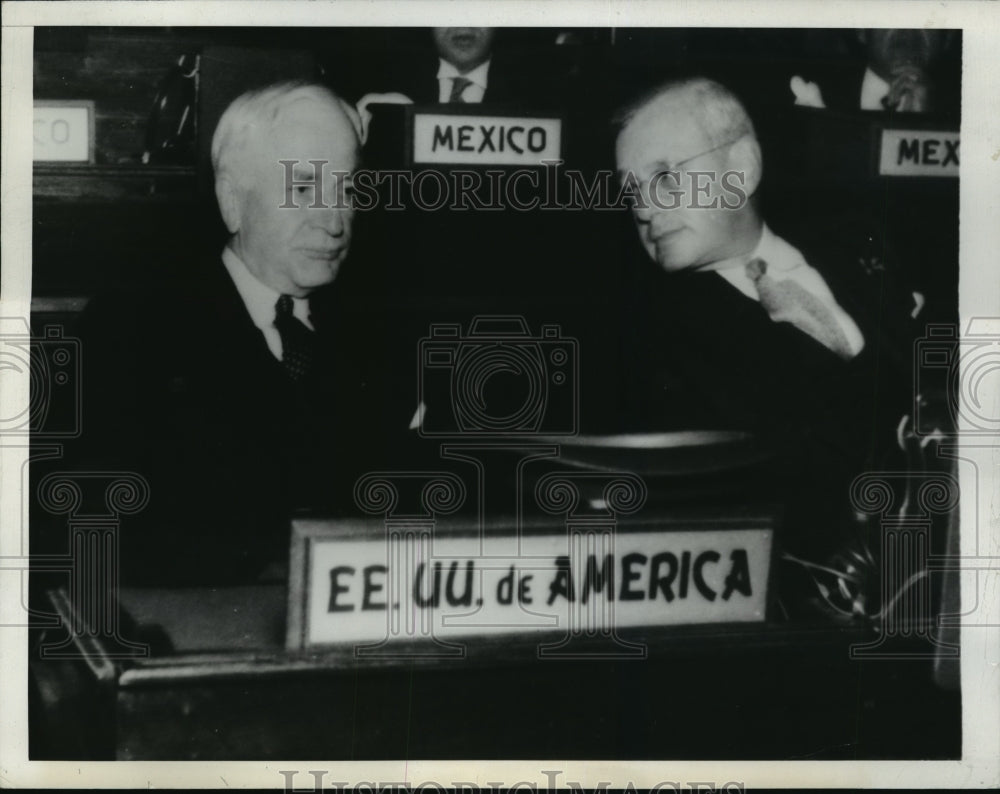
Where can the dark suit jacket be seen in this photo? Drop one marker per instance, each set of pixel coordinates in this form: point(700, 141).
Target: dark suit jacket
point(181, 387)
point(705, 355)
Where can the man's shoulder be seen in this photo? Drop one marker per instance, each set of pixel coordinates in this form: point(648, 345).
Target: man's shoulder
point(142, 313)
point(524, 79)
point(865, 277)
point(845, 252)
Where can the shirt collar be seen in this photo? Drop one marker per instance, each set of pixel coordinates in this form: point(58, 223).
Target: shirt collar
point(778, 254)
point(258, 297)
point(477, 76)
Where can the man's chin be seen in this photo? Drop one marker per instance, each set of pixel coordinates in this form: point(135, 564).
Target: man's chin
point(670, 263)
point(319, 274)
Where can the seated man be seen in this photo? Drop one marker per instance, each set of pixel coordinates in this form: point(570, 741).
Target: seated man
point(241, 393)
point(743, 329)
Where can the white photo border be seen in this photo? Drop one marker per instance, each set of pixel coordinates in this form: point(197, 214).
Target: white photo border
point(979, 298)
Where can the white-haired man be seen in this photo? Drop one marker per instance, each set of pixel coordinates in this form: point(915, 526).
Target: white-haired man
point(235, 392)
point(289, 236)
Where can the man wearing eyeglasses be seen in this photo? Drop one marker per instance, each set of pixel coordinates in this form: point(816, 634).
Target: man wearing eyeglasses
point(743, 330)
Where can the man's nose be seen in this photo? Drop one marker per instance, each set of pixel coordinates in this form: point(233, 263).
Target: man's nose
point(648, 206)
point(650, 211)
point(642, 211)
point(643, 207)
point(332, 219)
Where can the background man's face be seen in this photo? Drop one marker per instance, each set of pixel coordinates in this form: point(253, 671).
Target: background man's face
point(297, 250)
point(464, 48)
point(676, 234)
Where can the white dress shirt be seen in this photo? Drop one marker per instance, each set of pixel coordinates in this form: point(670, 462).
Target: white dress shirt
point(873, 90)
point(260, 301)
point(784, 261)
point(473, 93)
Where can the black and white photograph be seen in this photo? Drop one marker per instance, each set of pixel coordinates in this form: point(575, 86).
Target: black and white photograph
point(598, 386)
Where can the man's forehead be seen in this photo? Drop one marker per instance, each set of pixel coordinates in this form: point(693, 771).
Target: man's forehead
point(307, 130)
point(314, 113)
point(667, 128)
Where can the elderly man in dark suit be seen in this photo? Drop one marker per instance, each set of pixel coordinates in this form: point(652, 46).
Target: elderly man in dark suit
point(240, 394)
point(744, 330)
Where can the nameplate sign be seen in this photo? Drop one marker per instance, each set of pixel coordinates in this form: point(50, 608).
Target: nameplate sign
point(462, 139)
point(63, 132)
point(353, 585)
point(919, 153)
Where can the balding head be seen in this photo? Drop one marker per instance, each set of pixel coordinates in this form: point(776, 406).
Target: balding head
point(292, 238)
point(692, 148)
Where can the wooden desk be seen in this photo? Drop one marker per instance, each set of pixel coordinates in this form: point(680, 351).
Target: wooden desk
point(218, 684)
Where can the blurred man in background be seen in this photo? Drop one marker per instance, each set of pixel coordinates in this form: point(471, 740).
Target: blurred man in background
point(901, 70)
point(241, 394)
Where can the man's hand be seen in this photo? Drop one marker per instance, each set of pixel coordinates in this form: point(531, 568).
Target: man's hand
point(907, 90)
point(391, 98)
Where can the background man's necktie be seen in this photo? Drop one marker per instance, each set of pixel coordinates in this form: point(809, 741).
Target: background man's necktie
point(458, 85)
point(298, 343)
point(789, 302)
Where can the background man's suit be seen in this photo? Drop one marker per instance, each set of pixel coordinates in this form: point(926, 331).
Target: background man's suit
point(513, 80)
point(704, 355)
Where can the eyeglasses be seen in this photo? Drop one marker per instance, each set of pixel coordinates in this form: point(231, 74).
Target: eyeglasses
point(673, 171)
point(676, 166)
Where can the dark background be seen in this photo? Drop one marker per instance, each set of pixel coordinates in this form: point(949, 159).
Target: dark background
point(123, 221)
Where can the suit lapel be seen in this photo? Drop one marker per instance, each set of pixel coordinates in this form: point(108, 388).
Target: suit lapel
point(236, 335)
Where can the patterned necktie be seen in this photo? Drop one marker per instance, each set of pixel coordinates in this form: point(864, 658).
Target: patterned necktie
point(458, 85)
point(789, 302)
point(297, 341)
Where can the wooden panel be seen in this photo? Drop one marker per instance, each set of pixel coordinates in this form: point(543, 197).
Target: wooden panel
point(86, 247)
point(120, 70)
point(113, 183)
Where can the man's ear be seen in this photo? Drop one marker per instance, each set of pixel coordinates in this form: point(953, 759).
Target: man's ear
point(229, 203)
point(746, 158)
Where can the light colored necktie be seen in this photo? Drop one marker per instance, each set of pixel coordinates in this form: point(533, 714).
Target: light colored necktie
point(458, 85)
point(789, 302)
